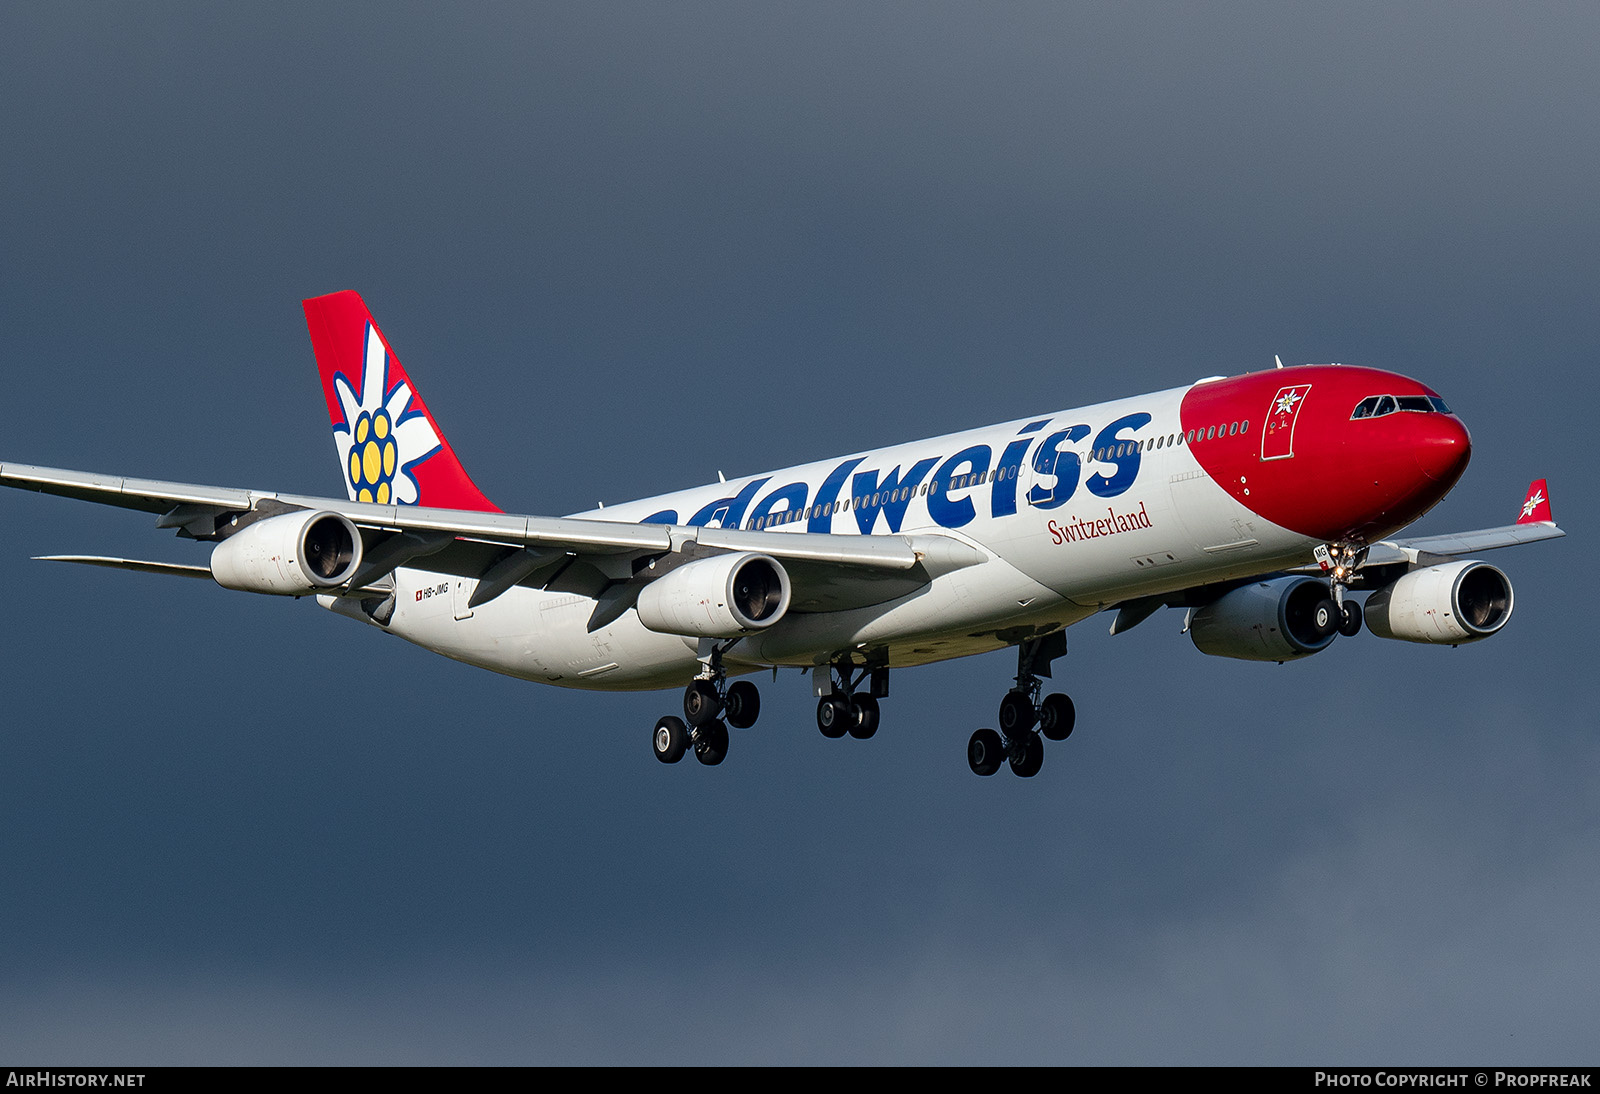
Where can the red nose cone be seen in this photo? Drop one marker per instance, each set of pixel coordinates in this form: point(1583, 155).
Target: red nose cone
point(1443, 449)
point(1329, 451)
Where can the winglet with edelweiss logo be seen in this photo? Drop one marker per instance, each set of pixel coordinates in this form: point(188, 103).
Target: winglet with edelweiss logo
point(1536, 506)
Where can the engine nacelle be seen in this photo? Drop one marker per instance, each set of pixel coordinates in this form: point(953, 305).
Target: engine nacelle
point(293, 554)
point(1264, 621)
point(719, 597)
point(1452, 603)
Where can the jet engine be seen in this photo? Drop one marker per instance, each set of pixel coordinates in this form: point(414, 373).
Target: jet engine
point(293, 554)
point(1454, 603)
point(719, 597)
point(1277, 620)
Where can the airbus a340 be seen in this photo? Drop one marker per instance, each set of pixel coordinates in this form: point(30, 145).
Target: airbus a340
point(1256, 503)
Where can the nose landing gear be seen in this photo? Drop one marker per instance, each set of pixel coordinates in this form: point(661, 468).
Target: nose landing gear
point(1340, 561)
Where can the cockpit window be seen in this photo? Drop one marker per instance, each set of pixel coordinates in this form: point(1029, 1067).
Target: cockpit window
point(1375, 406)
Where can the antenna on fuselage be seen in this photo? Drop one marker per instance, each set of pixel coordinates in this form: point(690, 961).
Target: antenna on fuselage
point(1278, 359)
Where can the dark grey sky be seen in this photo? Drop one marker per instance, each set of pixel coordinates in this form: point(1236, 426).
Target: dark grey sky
point(622, 247)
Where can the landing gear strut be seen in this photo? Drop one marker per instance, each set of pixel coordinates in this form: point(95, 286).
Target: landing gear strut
point(1340, 561)
point(1023, 716)
point(841, 708)
point(710, 706)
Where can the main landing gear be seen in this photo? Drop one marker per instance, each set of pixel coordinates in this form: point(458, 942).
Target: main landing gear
point(1024, 717)
point(710, 706)
point(841, 708)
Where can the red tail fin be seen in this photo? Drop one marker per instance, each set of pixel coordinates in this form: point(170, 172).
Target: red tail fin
point(1536, 506)
point(391, 451)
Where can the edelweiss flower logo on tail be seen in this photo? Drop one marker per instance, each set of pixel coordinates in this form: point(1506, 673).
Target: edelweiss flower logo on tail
point(381, 439)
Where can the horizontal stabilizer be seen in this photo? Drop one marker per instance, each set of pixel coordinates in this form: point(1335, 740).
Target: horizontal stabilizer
point(171, 569)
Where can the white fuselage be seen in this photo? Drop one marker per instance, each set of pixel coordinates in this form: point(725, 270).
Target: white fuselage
point(1068, 515)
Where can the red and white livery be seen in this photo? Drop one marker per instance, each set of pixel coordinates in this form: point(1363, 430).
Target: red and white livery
point(1259, 504)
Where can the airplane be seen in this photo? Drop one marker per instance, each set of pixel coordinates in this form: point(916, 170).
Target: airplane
point(1256, 503)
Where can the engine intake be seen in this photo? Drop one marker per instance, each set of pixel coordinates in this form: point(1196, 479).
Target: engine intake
point(293, 554)
point(1272, 620)
point(1453, 603)
point(719, 597)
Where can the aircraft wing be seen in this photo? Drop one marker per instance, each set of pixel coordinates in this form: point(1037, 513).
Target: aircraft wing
point(1460, 543)
point(1534, 523)
point(501, 550)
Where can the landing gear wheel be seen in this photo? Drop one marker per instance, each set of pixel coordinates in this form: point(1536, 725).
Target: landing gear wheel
point(985, 753)
point(742, 705)
point(711, 743)
point(700, 703)
point(1027, 756)
point(863, 716)
point(671, 739)
point(1057, 717)
point(833, 716)
point(1016, 713)
point(1350, 625)
point(1325, 617)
